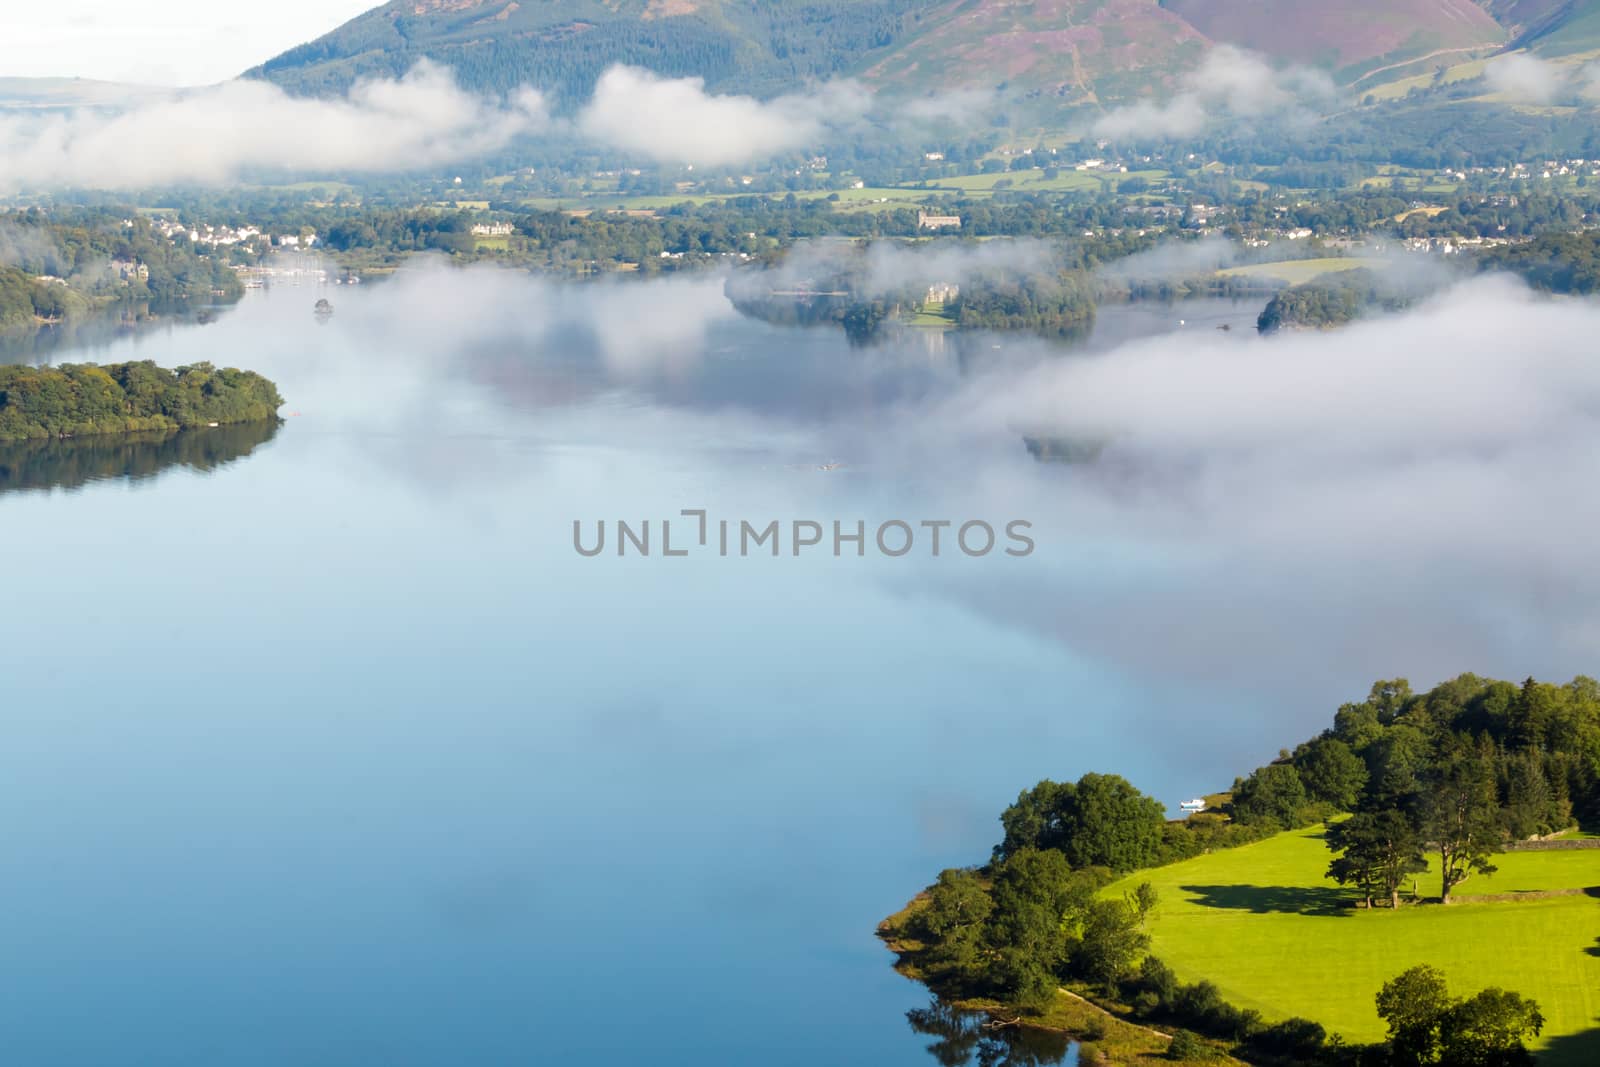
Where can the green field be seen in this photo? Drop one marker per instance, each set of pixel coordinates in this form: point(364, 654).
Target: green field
point(868, 198)
point(1473, 68)
point(1263, 923)
point(1299, 271)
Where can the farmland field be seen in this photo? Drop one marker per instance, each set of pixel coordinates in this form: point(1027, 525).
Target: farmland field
point(1264, 924)
point(1299, 271)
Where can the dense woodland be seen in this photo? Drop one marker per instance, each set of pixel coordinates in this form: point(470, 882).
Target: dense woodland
point(1330, 301)
point(1555, 262)
point(90, 257)
point(24, 299)
point(1051, 304)
point(1455, 773)
point(83, 400)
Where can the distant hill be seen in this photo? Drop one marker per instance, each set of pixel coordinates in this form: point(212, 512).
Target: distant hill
point(562, 46)
point(1559, 27)
point(51, 93)
point(1349, 39)
point(1078, 51)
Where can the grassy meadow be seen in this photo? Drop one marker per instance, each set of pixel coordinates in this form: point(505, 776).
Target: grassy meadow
point(1263, 923)
point(1299, 271)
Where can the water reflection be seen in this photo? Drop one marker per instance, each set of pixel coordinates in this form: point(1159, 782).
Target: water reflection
point(970, 1037)
point(102, 328)
point(76, 461)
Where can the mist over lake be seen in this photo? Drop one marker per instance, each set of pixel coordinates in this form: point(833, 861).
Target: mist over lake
point(372, 766)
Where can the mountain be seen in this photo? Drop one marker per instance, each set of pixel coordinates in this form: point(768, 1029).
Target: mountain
point(562, 46)
point(46, 94)
point(1349, 40)
point(1557, 27)
point(1079, 50)
point(1075, 50)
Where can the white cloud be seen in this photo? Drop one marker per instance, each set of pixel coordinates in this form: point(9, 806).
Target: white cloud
point(1230, 83)
point(1404, 496)
point(244, 128)
point(1528, 79)
point(885, 267)
point(938, 111)
point(676, 120)
point(1589, 81)
point(218, 134)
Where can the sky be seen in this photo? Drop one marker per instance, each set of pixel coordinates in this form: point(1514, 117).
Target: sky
point(158, 42)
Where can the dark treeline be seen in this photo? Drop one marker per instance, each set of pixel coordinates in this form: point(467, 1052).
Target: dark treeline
point(1457, 772)
point(690, 233)
point(1333, 300)
point(84, 400)
point(75, 461)
point(1555, 262)
point(1425, 131)
point(1054, 304)
point(843, 288)
point(1390, 212)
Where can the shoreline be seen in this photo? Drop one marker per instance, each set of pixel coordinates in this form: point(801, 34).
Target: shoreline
point(1098, 1031)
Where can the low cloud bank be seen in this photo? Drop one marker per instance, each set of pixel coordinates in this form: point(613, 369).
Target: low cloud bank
point(225, 132)
point(674, 120)
point(1404, 496)
point(1275, 522)
point(218, 134)
point(1230, 84)
point(1527, 79)
point(1173, 260)
point(885, 267)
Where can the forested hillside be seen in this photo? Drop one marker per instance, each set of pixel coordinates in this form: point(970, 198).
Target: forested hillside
point(1077, 51)
point(562, 47)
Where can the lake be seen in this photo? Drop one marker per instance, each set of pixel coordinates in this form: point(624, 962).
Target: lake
point(325, 746)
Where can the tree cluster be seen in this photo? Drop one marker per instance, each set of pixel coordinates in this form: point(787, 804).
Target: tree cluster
point(82, 400)
point(1458, 772)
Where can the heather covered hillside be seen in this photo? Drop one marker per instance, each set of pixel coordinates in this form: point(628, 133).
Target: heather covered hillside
point(1077, 51)
point(1352, 39)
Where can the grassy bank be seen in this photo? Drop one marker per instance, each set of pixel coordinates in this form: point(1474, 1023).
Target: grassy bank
point(1263, 923)
point(1100, 1032)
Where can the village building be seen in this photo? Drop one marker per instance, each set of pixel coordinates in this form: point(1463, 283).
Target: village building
point(926, 221)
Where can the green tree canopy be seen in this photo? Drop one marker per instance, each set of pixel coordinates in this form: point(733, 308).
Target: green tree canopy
point(1376, 852)
point(1101, 821)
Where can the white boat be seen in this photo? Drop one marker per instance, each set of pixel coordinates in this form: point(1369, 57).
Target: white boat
point(1192, 806)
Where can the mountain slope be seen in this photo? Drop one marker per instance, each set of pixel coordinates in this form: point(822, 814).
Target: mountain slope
point(1348, 39)
point(563, 45)
point(1561, 27)
point(1106, 49)
point(1071, 50)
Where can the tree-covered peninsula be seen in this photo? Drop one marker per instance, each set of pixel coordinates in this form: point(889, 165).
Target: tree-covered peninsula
point(84, 399)
point(1407, 803)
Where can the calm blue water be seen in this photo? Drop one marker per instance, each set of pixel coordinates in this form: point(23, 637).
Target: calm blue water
point(340, 754)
